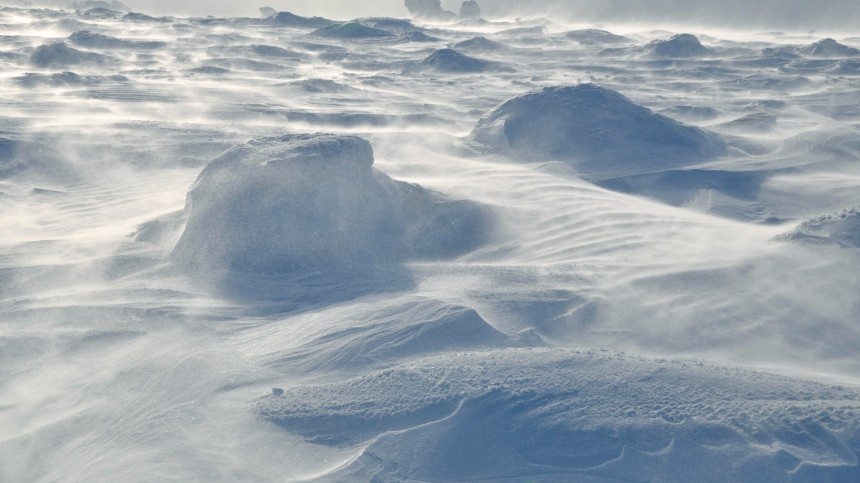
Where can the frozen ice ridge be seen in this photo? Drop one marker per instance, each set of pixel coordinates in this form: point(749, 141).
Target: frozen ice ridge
point(597, 130)
point(313, 201)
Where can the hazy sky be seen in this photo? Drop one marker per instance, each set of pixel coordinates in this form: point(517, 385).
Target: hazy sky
point(782, 14)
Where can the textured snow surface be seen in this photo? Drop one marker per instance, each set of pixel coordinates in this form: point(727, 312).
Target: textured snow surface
point(292, 248)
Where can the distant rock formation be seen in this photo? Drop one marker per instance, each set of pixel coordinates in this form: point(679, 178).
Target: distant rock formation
point(470, 10)
point(429, 10)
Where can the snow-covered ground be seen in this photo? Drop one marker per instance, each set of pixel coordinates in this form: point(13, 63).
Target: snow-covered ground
point(242, 249)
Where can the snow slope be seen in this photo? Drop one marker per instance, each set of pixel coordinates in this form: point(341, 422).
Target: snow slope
point(567, 258)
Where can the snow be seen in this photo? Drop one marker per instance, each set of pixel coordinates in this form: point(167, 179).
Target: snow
point(451, 61)
point(454, 250)
point(350, 30)
point(308, 202)
point(597, 130)
point(842, 229)
point(680, 46)
point(58, 54)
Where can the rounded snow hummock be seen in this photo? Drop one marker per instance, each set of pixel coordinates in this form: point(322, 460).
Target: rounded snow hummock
point(598, 131)
point(351, 30)
point(307, 202)
point(680, 46)
point(58, 54)
point(452, 62)
point(829, 48)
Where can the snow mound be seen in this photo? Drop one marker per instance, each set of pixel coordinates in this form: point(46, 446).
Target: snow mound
point(842, 229)
point(597, 130)
point(679, 46)
point(406, 330)
point(563, 415)
point(92, 4)
point(419, 37)
point(482, 44)
point(287, 19)
point(307, 202)
point(595, 37)
point(142, 17)
point(8, 151)
point(829, 48)
point(451, 61)
point(85, 38)
point(66, 79)
point(392, 25)
point(692, 113)
point(351, 30)
point(59, 54)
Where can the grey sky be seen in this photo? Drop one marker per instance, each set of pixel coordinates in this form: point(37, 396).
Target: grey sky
point(778, 14)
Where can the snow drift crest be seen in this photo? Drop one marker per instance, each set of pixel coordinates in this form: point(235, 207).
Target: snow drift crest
point(599, 131)
point(301, 202)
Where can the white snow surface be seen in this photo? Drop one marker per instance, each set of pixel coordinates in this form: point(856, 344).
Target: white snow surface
point(300, 249)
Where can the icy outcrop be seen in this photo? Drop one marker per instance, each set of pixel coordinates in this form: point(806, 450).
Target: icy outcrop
point(842, 229)
point(59, 54)
point(315, 202)
point(829, 48)
point(351, 30)
point(429, 10)
point(680, 46)
point(597, 130)
point(470, 10)
point(267, 12)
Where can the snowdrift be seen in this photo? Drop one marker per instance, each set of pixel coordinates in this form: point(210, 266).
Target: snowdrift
point(595, 37)
point(598, 131)
point(679, 46)
point(452, 62)
point(67, 79)
point(829, 48)
point(480, 44)
point(86, 38)
point(351, 30)
point(564, 415)
point(842, 229)
point(287, 19)
point(59, 54)
point(315, 202)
